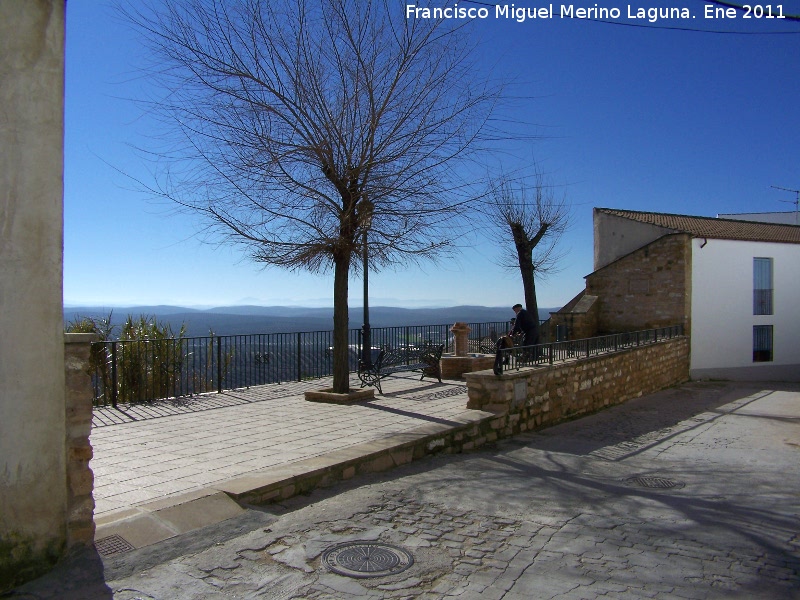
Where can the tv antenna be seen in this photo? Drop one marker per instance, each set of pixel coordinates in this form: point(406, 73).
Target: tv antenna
point(796, 201)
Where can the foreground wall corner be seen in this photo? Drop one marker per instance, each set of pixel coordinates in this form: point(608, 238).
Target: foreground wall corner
point(33, 503)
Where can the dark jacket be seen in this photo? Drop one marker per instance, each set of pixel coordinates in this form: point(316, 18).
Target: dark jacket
point(524, 323)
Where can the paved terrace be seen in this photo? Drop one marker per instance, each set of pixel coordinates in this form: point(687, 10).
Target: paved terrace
point(149, 458)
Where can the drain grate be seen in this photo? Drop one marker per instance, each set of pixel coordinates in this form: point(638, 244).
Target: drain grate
point(367, 559)
point(452, 391)
point(655, 483)
point(113, 544)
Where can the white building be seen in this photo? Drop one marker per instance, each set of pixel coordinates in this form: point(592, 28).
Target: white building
point(745, 309)
point(734, 285)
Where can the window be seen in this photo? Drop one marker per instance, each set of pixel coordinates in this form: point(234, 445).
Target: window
point(762, 343)
point(762, 286)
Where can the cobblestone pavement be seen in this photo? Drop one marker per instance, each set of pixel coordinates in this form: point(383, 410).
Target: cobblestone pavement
point(693, 492)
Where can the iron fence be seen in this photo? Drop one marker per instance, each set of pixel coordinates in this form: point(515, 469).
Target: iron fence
point(549, 353)
point(127, 371)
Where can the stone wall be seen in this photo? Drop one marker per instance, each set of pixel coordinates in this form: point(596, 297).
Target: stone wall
point(454, 367)
point(537, 397)
point(579, 318)
point(80, 479)
point(648, 288)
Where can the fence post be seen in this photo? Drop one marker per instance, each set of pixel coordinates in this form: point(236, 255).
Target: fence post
point(219, 364)
point(114, 395)
point(300, 357)
point(552, 351)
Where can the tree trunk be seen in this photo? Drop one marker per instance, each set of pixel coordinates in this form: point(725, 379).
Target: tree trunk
point(531, 304)
point(529, 287)
point(341, 326)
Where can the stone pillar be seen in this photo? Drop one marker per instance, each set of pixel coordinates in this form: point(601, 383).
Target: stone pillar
point(80, 479)
point(33, 494)
point(461, 333)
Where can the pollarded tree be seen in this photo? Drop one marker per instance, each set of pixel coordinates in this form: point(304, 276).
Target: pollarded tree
point(296, 125)
point(526, 218)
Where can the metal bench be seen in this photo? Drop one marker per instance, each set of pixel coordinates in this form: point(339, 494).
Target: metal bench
point(424, 359)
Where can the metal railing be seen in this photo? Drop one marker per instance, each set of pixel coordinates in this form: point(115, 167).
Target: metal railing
point(549, 353)
point(129, 371)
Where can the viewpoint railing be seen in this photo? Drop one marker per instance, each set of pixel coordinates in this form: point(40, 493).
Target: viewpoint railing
point(129, 371)
point(549, 353)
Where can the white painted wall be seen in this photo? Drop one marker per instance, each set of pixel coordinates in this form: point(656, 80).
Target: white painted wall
point(33, 492)
point(722, 310)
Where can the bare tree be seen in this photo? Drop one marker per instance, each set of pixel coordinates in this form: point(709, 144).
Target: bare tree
point(526, 219)
point(294, 126)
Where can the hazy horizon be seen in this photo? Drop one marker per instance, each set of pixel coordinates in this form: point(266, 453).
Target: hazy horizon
point(73, 305)
point(251, 319)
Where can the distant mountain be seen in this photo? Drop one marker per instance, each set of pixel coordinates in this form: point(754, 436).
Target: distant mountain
point(156, 310)
point(237, 320)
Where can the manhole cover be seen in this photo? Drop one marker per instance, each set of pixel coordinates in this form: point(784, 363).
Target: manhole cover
point(656, 483)
point(367, 559)
point(113, 544)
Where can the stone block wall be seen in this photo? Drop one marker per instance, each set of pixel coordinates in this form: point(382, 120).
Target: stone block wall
point(648, 288)
point(579, 317)
point(537, 397)
point(80, 479)
point(454, 367)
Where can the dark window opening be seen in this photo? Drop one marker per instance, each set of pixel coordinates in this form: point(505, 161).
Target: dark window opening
point(762, 343)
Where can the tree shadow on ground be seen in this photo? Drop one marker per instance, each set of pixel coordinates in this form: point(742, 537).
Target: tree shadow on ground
point(636, 425)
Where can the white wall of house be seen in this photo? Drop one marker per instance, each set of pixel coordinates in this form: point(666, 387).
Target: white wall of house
point(722, 310)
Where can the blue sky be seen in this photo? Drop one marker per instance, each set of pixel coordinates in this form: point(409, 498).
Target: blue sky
point(630, 116)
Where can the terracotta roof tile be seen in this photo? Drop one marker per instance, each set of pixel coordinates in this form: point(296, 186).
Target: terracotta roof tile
point(710, 227)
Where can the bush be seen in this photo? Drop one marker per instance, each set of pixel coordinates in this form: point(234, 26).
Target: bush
point(149, 357)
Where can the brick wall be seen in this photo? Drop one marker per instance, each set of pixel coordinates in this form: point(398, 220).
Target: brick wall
point(539, 397)
point(648, 288)
point(80, 479)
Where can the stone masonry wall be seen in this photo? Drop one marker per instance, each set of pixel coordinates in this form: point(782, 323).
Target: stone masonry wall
point(538, 397)
point(454, 367)
point(648, 288)
point(80, 479)
point(579, 325)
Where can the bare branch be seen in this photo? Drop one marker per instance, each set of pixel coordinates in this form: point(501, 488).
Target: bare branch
point(526, 218)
